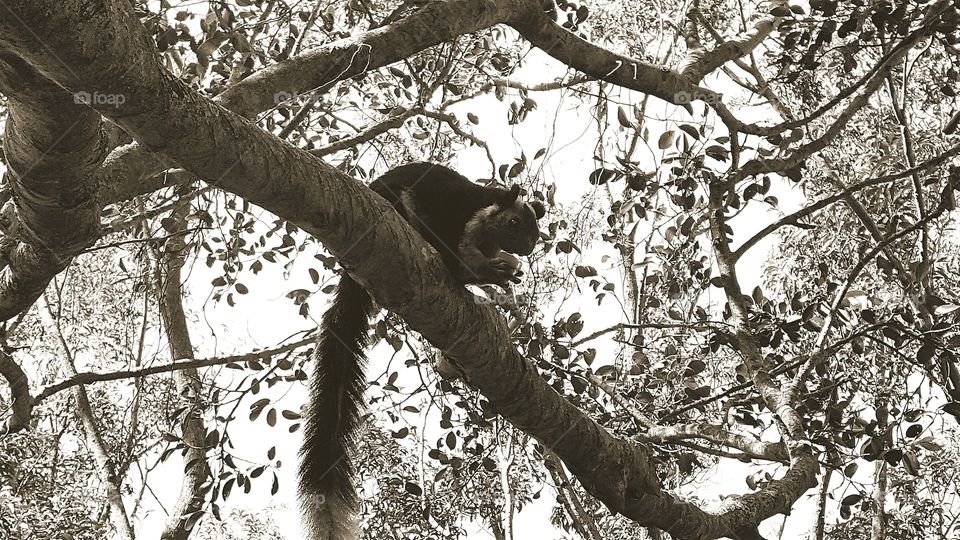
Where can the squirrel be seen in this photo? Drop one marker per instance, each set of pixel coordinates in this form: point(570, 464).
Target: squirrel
point(471, 226)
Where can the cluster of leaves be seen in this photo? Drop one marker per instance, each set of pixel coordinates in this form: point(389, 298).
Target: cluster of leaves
point(45, 493)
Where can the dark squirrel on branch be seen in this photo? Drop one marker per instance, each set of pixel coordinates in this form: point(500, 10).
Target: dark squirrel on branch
point(471, 226)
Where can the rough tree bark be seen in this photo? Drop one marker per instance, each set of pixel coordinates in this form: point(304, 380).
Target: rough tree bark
point(52, 145)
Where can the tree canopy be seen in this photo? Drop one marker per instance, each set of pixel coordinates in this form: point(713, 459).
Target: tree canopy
point(742, 319)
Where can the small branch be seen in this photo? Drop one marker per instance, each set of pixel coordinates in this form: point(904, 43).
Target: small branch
point(910, 157)
point(772, 451)
point(795, 217)
point(124, 223)
point(392, 122)
point(762, 87)
point(905, 276)
point(657, 326)
point(92, 377)
point(779, 165)
point(751, 447)
point(305, 110)
point(893, 55)
point(454, 124)
point(516, 85)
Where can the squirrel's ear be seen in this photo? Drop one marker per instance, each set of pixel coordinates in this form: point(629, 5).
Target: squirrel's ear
point(538, 208)
point(511, 196)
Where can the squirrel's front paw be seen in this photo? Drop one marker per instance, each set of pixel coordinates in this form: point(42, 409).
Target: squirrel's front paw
point(506, 268)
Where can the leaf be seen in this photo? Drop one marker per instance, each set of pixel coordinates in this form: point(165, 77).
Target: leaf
point(227, 487)
point(413, 488)
point(622, 117)
point(602, 176)
point(929, 443)
point(690, 130)
point(194, 517)
point(781, 11)
point(952, 409)
point(666, 139)
point(169, 224)
point(298, 296)
point(212, 439)
point(210, 45)
point(851, 500)
point(911, 463)
point(717, 152)
point(695, 367)
point(584, 271)
point(606, 371)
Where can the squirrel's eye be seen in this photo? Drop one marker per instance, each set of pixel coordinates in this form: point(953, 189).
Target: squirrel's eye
point(514, 221)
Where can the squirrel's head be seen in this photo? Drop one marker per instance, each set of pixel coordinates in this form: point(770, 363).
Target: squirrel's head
point(514, 222)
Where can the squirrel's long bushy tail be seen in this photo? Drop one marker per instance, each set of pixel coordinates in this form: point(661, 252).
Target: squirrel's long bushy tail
point(333, 415)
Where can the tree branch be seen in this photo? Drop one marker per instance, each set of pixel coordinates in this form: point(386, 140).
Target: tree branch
point(771, 451)
point(96, 445)
point(90, 377)
point(794, 218)
point(699, 65)
point(167, 275)
point(22, 408)
point(51, 145)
